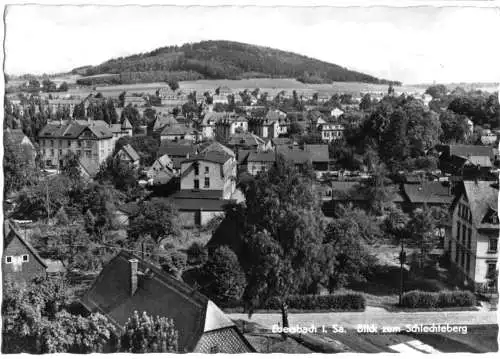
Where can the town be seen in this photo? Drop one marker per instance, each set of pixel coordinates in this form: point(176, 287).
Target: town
point(159, 200)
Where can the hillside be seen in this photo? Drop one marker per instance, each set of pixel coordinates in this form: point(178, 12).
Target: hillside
point(221, 60)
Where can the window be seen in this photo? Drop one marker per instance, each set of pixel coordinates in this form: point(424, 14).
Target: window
point(457, 254)
point(206, 170)
point(26, 258)
point(60, 143)
point(196, 169)
point(467, 264)
point(79, 143)
point(469, 238)
point(207, 182)
point(69, 143)
point(52, 152)
point(88, 154)
point(458, 231)
point(463, 233)
point(493, 245)
point(8, 259)
point(196, 184)
point(52, 143)
point(492, 268)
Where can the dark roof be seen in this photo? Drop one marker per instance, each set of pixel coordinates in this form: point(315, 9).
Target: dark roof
point(73, 130)
point(428, 192)
point(294, 154)
point(10, 232)
point(176, 149)
point(269, 156)
point(198, 194)
point(90, 166)
point(469, 150)
point(158, 293)
point(319, 153)
point(245, 139)
point(483, 198)
point(216, 157)
point(196, 204)
point(215, 146)
point(281, 141)
point(178, 129)
point(130, 208)
point(129, 150)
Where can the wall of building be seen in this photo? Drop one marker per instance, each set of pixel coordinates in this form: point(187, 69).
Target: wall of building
point(23, 270)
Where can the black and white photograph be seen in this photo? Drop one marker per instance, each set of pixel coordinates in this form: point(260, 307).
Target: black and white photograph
point(232, 178)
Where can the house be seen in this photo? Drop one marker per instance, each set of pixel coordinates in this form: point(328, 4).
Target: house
point(319, 155)
point(88, 168)
point(134, 101)
point(331, 131)
point(198, 207)
point(177, 152)
point(472, 243)
point(22, 144)
point(214, 146)
point(127, 284)
point(161, 171)
point(20, 261)
point(418, 195)
point(229, 126)
point(264, 127)
point(121, 129)
point(209, 171)
point(128, 155)
point(123, 213)
point(488, 138)
point(336, 112)
point(164, 120)
point(93, 141)
point(257, 162)
point(63, 105)
point(247, 141)
point(178, 132)
point(208, 124)
point(465, 161)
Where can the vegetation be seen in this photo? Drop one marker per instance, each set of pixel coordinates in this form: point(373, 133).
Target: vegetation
point(224, 60)
point(444, 299)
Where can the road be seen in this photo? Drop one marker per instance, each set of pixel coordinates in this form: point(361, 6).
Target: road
point(372, 315)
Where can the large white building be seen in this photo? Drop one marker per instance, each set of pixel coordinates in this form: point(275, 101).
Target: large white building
point(473, 241)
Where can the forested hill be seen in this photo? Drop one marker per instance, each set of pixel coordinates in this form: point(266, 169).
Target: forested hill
point(222, 60)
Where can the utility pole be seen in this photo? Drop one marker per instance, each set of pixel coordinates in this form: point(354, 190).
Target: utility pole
point(402, 260)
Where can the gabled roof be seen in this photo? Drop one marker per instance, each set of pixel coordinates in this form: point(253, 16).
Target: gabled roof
point(482, 197)
point(176, 149)
point(216, 147)
point(73, 130)
point(178, 129)
point(319, 153)
point(268, 156)
point(126, 125)
point(469, 150)
point(10, 232)
point(245, 139)
point(130, 152)
point(210, 156)
point(159, 294)
point(91, 167)
point(428, 192)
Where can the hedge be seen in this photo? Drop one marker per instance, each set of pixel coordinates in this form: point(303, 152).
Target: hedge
point(443, 299)
point(342, 301)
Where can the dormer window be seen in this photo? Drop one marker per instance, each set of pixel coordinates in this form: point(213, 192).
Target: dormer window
point(491, 217)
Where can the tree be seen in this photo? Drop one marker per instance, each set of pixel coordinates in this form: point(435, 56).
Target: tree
point(345, 253)
point(122, 175)
point(18, 170)
point(71, 166)
point(173, 84)
point(36, 321)
point(63, 87)
point(224, 279)
point(48, 86)
point(282, 230)
point(436, 91)
point(157, 218)
point(423, 226)
point(366, 103)
point(148, 334)
point(121, 99)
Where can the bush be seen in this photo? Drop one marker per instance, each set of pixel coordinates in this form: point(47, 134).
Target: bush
point(443, 299)
point(343, 301)
point(196, 254)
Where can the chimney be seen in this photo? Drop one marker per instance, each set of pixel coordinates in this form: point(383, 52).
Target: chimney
point(133, 266)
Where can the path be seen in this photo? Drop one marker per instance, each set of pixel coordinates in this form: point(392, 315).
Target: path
point(372, 315)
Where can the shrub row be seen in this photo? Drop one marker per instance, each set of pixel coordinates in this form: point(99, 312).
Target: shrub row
point(342, 301)
point(443, 299)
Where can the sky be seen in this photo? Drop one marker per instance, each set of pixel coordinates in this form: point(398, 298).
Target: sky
point(408, 44)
